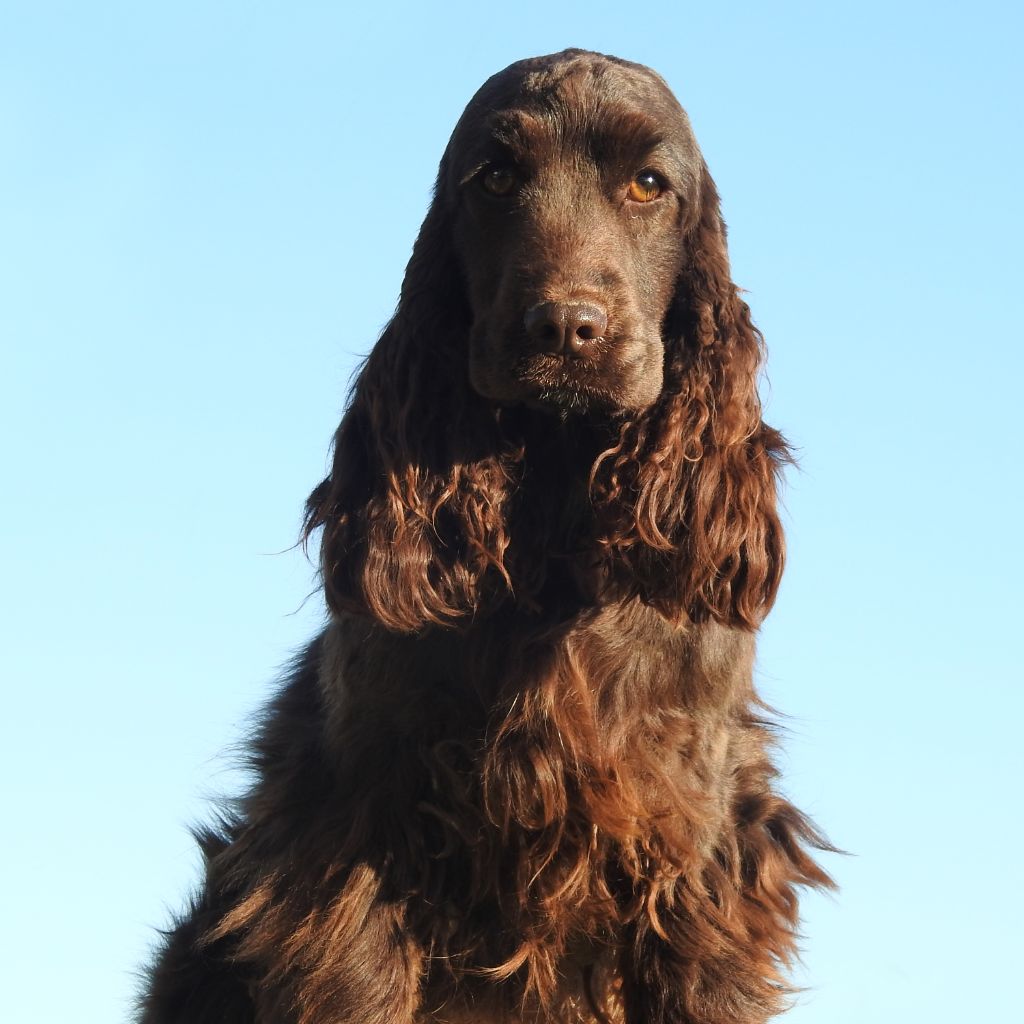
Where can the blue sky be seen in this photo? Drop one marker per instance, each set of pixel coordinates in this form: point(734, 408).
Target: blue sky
point(205, 212)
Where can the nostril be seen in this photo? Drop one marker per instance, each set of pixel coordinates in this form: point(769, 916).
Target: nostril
point(546, 325)
point(586, 322)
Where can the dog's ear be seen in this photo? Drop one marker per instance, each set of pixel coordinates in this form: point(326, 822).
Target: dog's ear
point(688, 495)
point(413, 512)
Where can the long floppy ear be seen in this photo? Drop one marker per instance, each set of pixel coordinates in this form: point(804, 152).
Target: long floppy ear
point(413, 512)
point(688, 495)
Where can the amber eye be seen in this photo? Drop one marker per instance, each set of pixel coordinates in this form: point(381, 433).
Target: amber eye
point(645, 187)
point(499, 180)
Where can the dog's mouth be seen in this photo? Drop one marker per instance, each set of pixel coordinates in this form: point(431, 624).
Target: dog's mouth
point(567, 384)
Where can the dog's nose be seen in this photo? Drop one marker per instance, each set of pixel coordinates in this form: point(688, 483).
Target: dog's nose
point(565, 326)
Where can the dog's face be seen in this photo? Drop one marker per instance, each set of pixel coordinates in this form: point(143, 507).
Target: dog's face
point(573, 180)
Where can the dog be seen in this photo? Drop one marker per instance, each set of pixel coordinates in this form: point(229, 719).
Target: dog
point(523, 774)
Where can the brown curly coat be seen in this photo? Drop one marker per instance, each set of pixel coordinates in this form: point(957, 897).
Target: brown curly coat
point(523, 774)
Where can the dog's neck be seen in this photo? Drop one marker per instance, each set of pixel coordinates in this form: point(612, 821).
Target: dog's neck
point(553, 558)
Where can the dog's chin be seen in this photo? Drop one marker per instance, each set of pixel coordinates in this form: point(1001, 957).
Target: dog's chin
point(565, 403)
point(562, 398)
point(564, 388)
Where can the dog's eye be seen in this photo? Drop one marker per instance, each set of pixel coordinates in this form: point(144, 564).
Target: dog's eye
point(645, 187)
point(499, 180)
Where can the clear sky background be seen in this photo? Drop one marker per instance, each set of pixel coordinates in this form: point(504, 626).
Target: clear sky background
point(205, 212)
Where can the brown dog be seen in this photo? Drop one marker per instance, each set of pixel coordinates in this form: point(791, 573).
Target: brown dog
point(522, 775)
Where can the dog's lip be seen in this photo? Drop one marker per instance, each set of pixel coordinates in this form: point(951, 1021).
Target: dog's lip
point(586, 359)
point(534, 361)
point(545, 369)
point(561, 381)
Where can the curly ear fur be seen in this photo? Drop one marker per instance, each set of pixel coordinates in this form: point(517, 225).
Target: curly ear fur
point(413, 511)
point(687, 498)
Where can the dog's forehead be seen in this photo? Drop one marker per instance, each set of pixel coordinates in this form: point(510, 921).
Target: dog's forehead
point(575, 92)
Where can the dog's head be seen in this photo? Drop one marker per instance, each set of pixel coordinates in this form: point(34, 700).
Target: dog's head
point(571, 185)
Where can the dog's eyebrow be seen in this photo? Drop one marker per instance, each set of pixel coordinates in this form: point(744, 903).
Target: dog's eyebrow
point(507, 136)
point(625, 133)
point(522, 133)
